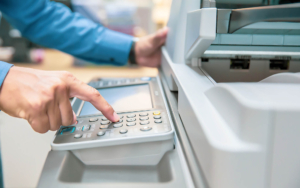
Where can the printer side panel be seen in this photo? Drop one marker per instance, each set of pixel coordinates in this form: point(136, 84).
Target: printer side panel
point(285, 163)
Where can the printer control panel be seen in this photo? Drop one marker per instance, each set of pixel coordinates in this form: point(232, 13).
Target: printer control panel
point(130, 125)
point(140, 104)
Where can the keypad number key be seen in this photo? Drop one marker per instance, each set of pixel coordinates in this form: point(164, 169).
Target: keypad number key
point(131, 116)
point(146, 128)
point(104, 126)
point(144, 122)
point(144, 114)
point(144, 118)
point(105, 122)
point(123, 131)
point(158, 121)
point(117, 125)
point(157, 117)
point(131, 124)
point(101, 133)
point(130, 119)
point(93, 119)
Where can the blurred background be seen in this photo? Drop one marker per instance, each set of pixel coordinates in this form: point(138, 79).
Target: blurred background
point(134, 17)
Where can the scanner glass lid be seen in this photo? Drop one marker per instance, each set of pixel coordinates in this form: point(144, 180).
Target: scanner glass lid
point(122, 99)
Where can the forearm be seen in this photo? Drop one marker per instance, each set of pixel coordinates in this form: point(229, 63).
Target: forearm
point(53, 25)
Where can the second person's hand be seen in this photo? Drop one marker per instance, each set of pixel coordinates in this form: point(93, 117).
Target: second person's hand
point(42, 98)
point(148, 49)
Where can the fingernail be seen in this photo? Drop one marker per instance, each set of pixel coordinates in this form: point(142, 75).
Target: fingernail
point(116, 117)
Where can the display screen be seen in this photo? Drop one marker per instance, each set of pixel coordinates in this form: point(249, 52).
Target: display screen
point(125, 98)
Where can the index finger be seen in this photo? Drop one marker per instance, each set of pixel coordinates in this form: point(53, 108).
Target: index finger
point(87, 93)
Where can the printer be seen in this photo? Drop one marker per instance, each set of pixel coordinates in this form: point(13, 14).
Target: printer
point(222, 113)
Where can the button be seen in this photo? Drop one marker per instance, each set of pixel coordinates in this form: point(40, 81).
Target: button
point(104, 119)
point(144, 114)
point(144, 118)
point(93, 119)
point(105, 122)
point(79, 121)
point(156, 117)
point(131, 115)
point(120, 121)
point(158, 121)
point(131, 124)
point(121, 116)
point(146, 128)
point(117, 125)
point(77, 135)
point(144, 122)
point(156, 113)
point(104, 126)
point(86, 128)
point(101, 133)
point(146, 78)
point(123, 131)
point(130, 119)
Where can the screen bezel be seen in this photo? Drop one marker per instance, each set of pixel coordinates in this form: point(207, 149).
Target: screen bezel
point(150, 85)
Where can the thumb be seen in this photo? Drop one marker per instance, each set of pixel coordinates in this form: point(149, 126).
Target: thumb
point(159, 38)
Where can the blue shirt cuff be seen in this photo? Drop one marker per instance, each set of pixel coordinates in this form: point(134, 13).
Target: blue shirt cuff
point(4, 68)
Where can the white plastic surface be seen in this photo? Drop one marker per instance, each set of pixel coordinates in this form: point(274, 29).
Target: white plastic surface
point(149, 153)
point(200, 31)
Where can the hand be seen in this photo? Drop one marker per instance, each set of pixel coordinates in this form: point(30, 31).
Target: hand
point(147, 49)
point(42, 98)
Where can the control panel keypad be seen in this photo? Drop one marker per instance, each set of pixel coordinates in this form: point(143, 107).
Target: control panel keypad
point(130, 124)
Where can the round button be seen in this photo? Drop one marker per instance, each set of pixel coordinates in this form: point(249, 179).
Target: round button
point(131, 124)
point(131, 115)
point(158, 121)
point(117, 125)
point(144, 118)
point(144, 122)
point(103, 126)
point(156, 113)
point(120, 121)
point(130, 119)
point(93, 119)
point(121, 116)
point(77, 135)
point(156, 117)
point(105, 122)
point(104, 119)
point(144, 114)
point(101, 133)
point(146, 128)
point(123, 131)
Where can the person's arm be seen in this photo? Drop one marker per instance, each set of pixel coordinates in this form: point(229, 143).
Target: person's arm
point(53, 25)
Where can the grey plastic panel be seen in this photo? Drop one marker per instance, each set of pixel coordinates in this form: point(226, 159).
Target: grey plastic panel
point(62, 169)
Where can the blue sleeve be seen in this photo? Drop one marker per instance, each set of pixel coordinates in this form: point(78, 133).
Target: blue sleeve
point(4, 68)
point(53, 25)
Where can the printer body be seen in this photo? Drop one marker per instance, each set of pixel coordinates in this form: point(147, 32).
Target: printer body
point(228, 89)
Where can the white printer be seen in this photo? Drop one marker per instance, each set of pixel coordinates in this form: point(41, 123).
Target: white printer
point(223, 113)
